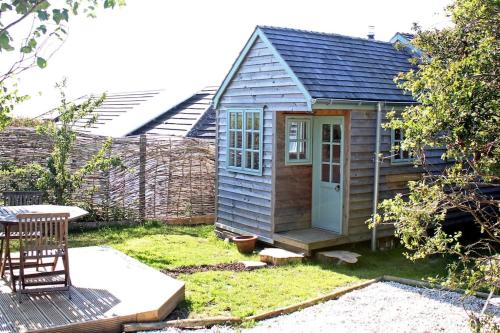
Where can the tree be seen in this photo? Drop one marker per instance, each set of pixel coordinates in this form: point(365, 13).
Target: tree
point(31, 28)
point(457, 85)
point(58, 179)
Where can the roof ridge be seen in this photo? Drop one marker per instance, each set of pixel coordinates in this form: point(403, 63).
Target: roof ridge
point(323, 34)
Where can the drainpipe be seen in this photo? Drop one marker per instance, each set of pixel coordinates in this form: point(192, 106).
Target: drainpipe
point(377, 174)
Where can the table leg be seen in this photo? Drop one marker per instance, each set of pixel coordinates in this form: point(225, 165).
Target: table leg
point(9, 259)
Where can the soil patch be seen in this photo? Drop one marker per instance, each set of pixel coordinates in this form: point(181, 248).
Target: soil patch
point(174, 272)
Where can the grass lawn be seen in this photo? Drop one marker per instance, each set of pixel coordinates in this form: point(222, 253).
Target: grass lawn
point(219, 293)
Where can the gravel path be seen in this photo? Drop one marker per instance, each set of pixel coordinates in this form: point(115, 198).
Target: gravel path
point(380, 307)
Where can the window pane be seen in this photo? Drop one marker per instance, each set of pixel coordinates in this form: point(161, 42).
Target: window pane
point(337, 134)
point(325, 172)
point(326, 132)
point(292, 131)
point(256, 161)
point(397, 155)
point(249, 116)
point(325, 153)
point(232, 120)
point(302, 150)
point(335, 173)
point(249, 140)
point(292, 147)
point(256, 140)
point(256, 121)
point(336, 153)
point(292, 156)
point(238, 159)
point(239, 120)
point(231, 157)
point(397, 134)
point(304, 130)
point(406, 154)
point(232, 136)
point(239, 142)
point(248, 162)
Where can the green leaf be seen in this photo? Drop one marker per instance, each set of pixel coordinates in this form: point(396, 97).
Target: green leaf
point(42, 63)
point(26, 49)
point(57, 16)
point(5, 42)
point(4, 7)
point(109, 3)
point(42, 28)
point(42, 15)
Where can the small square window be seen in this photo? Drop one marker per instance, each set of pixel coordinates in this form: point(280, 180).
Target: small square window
point(398, 154)
point(298, 140)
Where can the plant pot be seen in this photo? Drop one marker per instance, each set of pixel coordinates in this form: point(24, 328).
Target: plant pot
point(245, 244)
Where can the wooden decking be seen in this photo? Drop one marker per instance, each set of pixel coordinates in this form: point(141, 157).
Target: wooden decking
point(307, 240)
point(311, 239)
point(110, 289)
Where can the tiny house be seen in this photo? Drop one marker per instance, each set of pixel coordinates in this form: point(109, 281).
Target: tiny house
point(298, 127)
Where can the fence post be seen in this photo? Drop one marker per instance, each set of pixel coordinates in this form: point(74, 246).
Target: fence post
point(142, 177)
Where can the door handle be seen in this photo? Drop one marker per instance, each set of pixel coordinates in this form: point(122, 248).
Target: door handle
point(337, 187)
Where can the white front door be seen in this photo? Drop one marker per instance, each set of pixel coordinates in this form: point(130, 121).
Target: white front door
point(328, 163)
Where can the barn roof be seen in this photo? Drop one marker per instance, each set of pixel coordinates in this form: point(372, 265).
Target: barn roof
point(332, 66)
point(151, 112)
point(193, 117)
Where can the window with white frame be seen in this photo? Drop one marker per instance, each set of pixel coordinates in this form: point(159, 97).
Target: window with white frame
point(244, 138)
point(399, 155)
point(298, 140)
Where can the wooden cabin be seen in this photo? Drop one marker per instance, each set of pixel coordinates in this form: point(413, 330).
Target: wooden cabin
point(297, 138)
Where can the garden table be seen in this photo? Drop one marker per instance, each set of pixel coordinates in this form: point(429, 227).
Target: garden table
point(8, 218)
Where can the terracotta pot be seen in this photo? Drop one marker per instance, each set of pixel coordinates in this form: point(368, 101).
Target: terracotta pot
point(245, 244)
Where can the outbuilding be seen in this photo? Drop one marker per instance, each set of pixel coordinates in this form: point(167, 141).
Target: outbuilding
point(298, 129)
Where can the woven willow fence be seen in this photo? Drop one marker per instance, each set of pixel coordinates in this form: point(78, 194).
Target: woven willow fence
point(161, 177)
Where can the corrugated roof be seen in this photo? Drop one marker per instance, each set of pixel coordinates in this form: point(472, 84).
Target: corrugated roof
point(194, 117)
point(334, 66)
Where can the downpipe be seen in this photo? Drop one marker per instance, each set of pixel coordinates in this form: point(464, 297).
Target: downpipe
point(376, 175)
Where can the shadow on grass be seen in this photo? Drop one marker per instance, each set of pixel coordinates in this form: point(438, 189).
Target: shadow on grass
point(110, 235)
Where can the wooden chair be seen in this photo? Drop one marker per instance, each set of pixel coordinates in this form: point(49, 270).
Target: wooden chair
point(21, 198)
point(43, 239)
point(17, 198)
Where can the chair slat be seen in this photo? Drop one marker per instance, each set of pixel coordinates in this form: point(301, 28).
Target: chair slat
point(42, 236)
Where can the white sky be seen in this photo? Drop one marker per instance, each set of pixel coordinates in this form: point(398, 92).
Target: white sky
point(182, 46)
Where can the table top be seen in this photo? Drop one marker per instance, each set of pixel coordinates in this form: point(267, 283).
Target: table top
point(8, 213)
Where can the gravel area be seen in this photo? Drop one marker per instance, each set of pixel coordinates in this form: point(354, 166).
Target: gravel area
point(380, 307)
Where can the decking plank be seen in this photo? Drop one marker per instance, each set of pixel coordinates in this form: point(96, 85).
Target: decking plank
point(108, 291)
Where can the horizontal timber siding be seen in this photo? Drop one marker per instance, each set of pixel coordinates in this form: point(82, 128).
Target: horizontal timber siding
point(393, 177)
point(244, 202)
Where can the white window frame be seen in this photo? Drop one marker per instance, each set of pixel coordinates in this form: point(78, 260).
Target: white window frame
point(308, 140)
point(394, 143)
point(244, 148)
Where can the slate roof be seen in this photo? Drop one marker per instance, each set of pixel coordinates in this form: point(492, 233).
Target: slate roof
point(193, 117)
point(151, 112)
point(334, 66)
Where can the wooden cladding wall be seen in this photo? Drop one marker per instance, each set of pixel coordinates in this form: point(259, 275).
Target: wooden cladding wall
point(244, 201)
point(393, 177)
point(161, 178)
point(293, 187)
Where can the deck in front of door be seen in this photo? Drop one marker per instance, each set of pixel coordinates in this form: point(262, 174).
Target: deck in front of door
point(307, 240)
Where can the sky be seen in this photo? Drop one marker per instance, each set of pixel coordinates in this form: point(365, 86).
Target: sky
point(183, 46)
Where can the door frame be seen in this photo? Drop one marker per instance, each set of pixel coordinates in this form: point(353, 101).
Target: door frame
point(344, 120)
